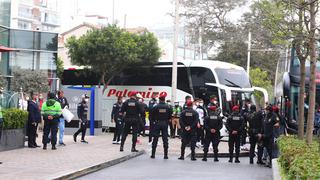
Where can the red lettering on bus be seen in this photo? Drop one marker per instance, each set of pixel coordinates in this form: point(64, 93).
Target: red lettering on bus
point(112, 92)
point(119, 93)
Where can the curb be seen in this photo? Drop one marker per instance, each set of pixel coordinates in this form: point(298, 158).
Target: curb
point(275, 170)
point(98, 167)
point(222, 155)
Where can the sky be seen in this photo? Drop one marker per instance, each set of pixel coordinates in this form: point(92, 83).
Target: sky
point(145, 13)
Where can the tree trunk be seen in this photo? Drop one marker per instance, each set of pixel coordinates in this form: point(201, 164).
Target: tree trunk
point(302, 58)
point(313, 63)
point(301, 118)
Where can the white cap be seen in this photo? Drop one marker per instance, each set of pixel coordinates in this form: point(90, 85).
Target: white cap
point(139, 96)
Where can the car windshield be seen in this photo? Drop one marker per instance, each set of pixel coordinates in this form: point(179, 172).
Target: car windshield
point(233, 78)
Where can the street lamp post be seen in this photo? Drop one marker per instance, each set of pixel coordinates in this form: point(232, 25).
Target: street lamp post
point(249, 53)
point(175, 45)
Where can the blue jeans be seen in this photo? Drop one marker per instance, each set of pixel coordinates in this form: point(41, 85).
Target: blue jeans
point(61, 129)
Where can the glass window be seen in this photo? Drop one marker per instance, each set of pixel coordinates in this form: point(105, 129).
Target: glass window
point(4, 36)
point(47, 61)
point(48, 41)
point(24, 60)
point(24, 25)
point(233, 78)
point(22, 39)
point(25, 12)
point(5, 10)
point(183, 82)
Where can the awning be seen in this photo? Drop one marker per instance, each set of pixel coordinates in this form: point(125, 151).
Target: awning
point(5, 49)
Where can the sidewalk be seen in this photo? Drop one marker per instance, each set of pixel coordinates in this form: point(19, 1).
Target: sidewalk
point(42, 164)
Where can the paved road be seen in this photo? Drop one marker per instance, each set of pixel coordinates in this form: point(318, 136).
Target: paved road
point(158, 169)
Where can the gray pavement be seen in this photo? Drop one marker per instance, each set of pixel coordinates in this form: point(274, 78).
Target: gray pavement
point(157, 169)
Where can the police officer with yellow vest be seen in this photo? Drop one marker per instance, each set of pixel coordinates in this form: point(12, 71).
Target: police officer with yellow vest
point(161, 114)
point(51, 112)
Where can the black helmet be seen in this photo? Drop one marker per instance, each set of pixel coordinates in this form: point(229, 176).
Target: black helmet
point(51, 95)
point(253, 108)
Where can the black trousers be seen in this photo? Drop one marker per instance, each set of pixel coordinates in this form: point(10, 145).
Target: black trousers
point(163, 128)
point(243, 136)
point(50, 127)
point(234, 143)
point(253, 142)
point(118, 130)
point(172, 130)
point(151, 130)
point(143, 125)
point(200, 134)
point(268, 144)
point(188, 137)
point(32, 134)
point(214, 139)
point(82, 130)
point(128, 124)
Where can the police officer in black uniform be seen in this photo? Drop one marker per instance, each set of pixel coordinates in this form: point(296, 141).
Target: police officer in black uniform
point(212, 125)
point(269, 122)
point(214, 102)
point(244, 113)
point(188, 122)
point(255, 121)
point(234, 125)
point(116, 117)
point(161, 114)
point(152, 103)
point(131, 109)
point(185, 106)
point(82, 111)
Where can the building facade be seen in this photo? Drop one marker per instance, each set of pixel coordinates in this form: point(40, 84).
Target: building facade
point(33, 49)
point(35, 15)
point(77, 31)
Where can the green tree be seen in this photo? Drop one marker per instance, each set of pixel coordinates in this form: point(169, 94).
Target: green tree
point(290, 23)
point(235, 48)
point(110, 50)
point(29, 80)
point(260, 78)
point(208, 19)
point(59, 64)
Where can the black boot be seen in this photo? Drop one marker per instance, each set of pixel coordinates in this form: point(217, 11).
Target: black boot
point(182, 155)
point(133, 149)
point(205, 154)
point(237, 160)
point(153, 153)
point(44, 147)
point(121, 146)
point(251, 160)
point(230, 158)
point(193, 156)
point(216, 157)
point(165, 154)
point(54, 147)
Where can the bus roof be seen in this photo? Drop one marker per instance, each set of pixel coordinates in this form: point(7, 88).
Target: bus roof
point(204, 63)
point(190, 63)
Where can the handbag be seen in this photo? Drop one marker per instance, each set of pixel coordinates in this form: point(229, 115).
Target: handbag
point(67, 115)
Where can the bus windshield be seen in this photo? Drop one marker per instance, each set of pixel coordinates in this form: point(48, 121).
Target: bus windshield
point(233, 78)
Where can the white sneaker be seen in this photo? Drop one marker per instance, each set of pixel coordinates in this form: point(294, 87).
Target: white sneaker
point(118, 142)
point(114, 142)
point(150, 143)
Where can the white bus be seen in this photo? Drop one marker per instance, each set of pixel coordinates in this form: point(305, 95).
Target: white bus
point(198, 79)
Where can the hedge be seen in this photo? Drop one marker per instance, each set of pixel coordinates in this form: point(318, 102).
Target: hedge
point(14, 118)
point(298, 160)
